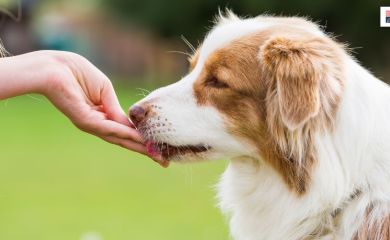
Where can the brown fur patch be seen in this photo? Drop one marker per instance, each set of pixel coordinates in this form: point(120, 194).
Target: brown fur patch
point(256, 108)
point(374, 228)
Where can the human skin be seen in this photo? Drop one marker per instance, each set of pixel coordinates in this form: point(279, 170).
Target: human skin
point(75, 87)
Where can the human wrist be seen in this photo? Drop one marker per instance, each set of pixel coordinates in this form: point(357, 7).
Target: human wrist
point(55, 70)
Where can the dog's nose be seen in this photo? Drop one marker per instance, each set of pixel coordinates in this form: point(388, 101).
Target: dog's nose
point(137, 114)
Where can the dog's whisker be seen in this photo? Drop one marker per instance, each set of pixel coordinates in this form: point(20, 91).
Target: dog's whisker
point(144, 90)
point(185, 40)
point(180, 52)
point(141, 94)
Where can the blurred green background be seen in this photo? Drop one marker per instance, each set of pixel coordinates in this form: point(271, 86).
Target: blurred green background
point(59, 183)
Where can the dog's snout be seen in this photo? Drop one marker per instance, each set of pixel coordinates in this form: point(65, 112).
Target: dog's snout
point(137, 114)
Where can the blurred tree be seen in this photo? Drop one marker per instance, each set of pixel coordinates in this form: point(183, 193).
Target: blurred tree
point(355, 22)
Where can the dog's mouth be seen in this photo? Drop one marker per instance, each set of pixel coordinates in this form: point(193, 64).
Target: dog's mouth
point(168, 151)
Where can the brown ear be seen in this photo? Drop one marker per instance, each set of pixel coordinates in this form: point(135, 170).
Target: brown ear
point(293, 68)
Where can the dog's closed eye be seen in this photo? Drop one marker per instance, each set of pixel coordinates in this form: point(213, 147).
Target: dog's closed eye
point(214, 82)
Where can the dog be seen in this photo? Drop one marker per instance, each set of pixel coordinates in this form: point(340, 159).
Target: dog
point(305, 126)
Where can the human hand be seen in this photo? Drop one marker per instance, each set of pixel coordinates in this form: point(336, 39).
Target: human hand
point(86, 96)
point(77, 88)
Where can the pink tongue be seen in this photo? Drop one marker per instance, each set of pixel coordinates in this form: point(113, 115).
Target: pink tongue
point(152, 149)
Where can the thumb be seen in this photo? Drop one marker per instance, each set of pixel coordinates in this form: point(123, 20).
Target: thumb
point(111, 105)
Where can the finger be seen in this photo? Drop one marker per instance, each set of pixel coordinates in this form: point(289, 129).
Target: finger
point(110, 128)
point(130, 145)
point(137, 148)
point(98, 108)
point(111, 105)
point(158, 159)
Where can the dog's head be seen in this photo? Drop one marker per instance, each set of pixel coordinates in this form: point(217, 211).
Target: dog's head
point(260, 88)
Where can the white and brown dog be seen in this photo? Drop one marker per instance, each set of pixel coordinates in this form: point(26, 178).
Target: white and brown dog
point(306, 127)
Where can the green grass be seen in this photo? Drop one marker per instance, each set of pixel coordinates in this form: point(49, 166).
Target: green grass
point(58, 183)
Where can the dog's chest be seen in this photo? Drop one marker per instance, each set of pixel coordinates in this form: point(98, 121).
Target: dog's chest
point(260, 206)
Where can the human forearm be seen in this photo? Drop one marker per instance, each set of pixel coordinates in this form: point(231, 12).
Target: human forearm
point(27, 73)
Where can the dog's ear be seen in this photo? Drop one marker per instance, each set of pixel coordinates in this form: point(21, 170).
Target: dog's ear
point(303, 77)
point(293, 68)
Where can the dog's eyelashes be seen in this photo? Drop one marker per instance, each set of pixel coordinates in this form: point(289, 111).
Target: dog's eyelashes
point(214, 82)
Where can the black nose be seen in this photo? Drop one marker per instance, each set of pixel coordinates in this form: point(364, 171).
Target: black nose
point(137, 114)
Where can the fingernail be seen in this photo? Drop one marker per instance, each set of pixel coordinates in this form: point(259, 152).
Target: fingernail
point(164, 164)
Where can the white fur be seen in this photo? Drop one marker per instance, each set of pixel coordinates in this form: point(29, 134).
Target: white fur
point(260, 206)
